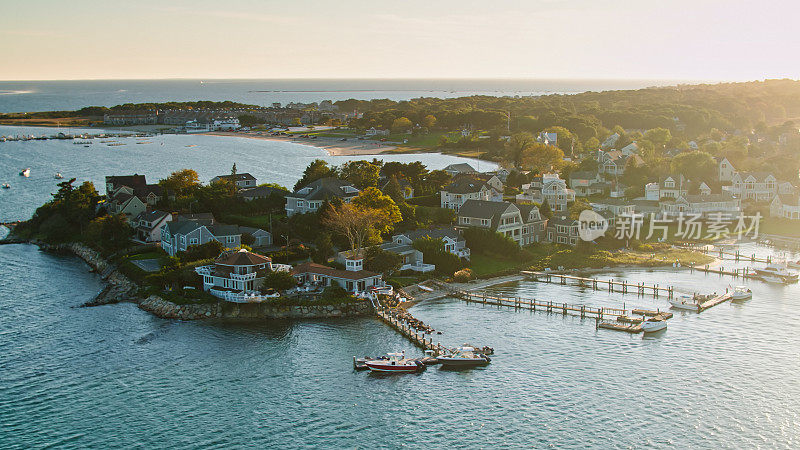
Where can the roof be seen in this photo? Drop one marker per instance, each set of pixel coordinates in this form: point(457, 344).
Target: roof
point(242, 258)
point(435, 233)
point(460, 167)
point(759, 176)
point(251, 230)
point(237, 177)
point(133, 181)
point(613, 201)
point(483, 209)
point(397, 248)
point(324, 189)
point(562, 220)
point(196, 217)
point(144, 191)
point(319, 269)
point(219, 229)
point(724, 197)
point(525, 209)
point(788, 199)
point(152, 216)
point(261, 191)
point(182, 226)
point(465, 185)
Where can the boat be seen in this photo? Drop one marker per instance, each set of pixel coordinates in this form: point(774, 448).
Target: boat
point(653, 324)
point(741, 293)
point(25, 172)
point(687, 302)
point(394, 363)
point(58, 176)
point(777, 271)
point(6, 186)
point(383, 290)
point(793, 264)
point(464, 357)
point(772, 279)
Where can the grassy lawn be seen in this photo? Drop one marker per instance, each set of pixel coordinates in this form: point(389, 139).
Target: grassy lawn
point(257, 221)
point(403, 281)
point(781, 227)
point(485, 266)
point(148, 255)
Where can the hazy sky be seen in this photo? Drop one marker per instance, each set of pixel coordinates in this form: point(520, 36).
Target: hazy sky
point(664, 39)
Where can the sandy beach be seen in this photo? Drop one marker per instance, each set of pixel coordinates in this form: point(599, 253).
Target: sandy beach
point(334, 146)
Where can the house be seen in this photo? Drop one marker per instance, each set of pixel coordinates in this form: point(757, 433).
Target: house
point(125, 203)
point(113, 183)
point(756, 186)
point(702, 205)
point(673, 186)
point(130, 195)
point(463, 189)
point(548, 138)
point(455, 169)
point(309, 198)
point(178, 236)
point(413, 259)
point(614, 162)
point(237, 276)
point(450, 237)
point(225, 124)
point(726, 170)
point(376, 132)
point(261, 238)
point(630, 149)
point(588, 183)
point(354, 279)
point(786, 206)
point(492, 180)
point(147, 225)
point(502, 174)
point(615, 206)
point(652, 192)
point(260, 192)
point(610, 142)
point(548, 187)
point(241, 180)
point(522, 223)
point(563, 230)
point(406, 189)
point(704, 188)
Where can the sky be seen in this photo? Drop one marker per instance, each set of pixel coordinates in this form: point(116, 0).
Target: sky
point(712, 40)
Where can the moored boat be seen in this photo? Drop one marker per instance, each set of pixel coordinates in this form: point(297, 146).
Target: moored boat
point(25, 172)
point(58, 176)
point(394, 363)
point(772, 279)
point(6, 186)
point(687, 302)
point(777, 271)
point(654, 324)
point(793, 264)
point(741, 293)
point(464, 357)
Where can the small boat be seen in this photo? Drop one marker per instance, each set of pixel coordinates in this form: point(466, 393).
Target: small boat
point(779, 271)
point(271, 293)
point(361, 363)
point(687, 302)
point(464, 357)
point(793, 264)
point(6, 186)
point(653, 324)
point(772, 279)
point(25, 172)
point(395, 363)
point(741, 293)
point(383, 290)
point(58, 176)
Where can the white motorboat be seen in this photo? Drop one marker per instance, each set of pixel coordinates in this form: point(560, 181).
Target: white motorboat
point(25, 172)
point(687, 302)
point(395, 363)
point(793, 264)
point(464, 357)
point(58, 176)
point(654, 324)
point(777, 271)
point(772, 279)
point(6, 186)
point(741, 293)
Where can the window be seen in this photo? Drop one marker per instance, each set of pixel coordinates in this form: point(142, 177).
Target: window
point(194, 241)
point(464, 220)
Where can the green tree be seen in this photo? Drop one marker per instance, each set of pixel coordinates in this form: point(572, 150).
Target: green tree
point(324, 248)
point(540, 158)
point(401, 124)
point(318, 169)
point(429, 121)
point(382, 261)
point(545, 210)
point(278, 280)
point(658, 136)
point(372, 198)
point(516, 145)
point(182, 182)
point(112, 233)
point(362, 174)
point(695, 165)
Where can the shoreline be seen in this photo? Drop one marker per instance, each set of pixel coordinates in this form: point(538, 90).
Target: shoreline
point(333, 146)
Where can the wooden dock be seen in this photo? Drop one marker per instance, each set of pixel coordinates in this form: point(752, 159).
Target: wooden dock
point(389, 315)
point(611, 285)
point(714, 301)
point(745, 273)
point(734, 256)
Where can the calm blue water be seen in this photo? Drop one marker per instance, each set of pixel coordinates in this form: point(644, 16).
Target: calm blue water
point(116, 377)
point(269, 161)
point(28, 96)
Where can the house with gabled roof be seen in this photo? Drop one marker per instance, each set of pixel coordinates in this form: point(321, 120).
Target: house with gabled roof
point(521, 223)
point(260, 192)
point(563, 230)
point(785, 206)
point(353, 279)
point(586, 183)
point(725, 170)
point(610, 142)
point(673, 186)
point(114, 182)
point(756, 186)
point(310, 198)
point(451, 237)
point(178, 236)
point(238, 276)
point(241, 180)
point(702, 205)
point(406, 189)
point(462, 189)
point(459, 168)
point(547, 187)
point(147, 225)
point(614, 162)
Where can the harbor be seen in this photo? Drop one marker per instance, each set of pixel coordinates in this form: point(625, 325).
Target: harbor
point(611, 285)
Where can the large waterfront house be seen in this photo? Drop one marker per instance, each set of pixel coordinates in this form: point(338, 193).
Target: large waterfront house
point(178, 236)
point(548, 187)
point(463, 189)
point(124, 203)
point(241, 180)
point(451, 238)
point(563, 230)
point(353, 279)
point(147, 225)
point(756, 186)
point(459, 168)
point(723, 204)
point(237, 276)
point(310, 197)
point(521, 223)
point(786, 206)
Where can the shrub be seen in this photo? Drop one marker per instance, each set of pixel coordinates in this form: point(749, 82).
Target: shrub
point(488, 242)
point(463, 275)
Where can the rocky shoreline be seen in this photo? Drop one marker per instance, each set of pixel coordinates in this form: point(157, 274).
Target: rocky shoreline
point(120, 288)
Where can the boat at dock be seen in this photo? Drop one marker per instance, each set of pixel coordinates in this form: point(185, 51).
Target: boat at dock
point(741, 293)
point(777, 271)
point(6, 186)
point(395, 363)
point(464, 357)
point(654, 324)
point(772, 279)
point(685, 302)
point(25, 172)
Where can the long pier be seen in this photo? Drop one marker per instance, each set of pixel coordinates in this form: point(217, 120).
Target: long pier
point(612, 285)
point(410, 332)
point(744, 273)
point(734, 256)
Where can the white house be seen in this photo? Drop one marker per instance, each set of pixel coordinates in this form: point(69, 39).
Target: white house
point(549, 187)
point(704, 205)
point(147, 225)
point(225, 124)
point(451, 238)
point(786, 206)
point(241, 180)
point(354, 279)
point(311, 197)
point(726, 170)
point(673, 186)
point(757, 186)
point(462, 189)
point(376, 132)
point(522, 223)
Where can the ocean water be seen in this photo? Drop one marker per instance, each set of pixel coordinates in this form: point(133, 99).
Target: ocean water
point(29, 96)
point(269, 161)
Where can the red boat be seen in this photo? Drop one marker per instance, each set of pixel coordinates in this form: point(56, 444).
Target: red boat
point(395, 363)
